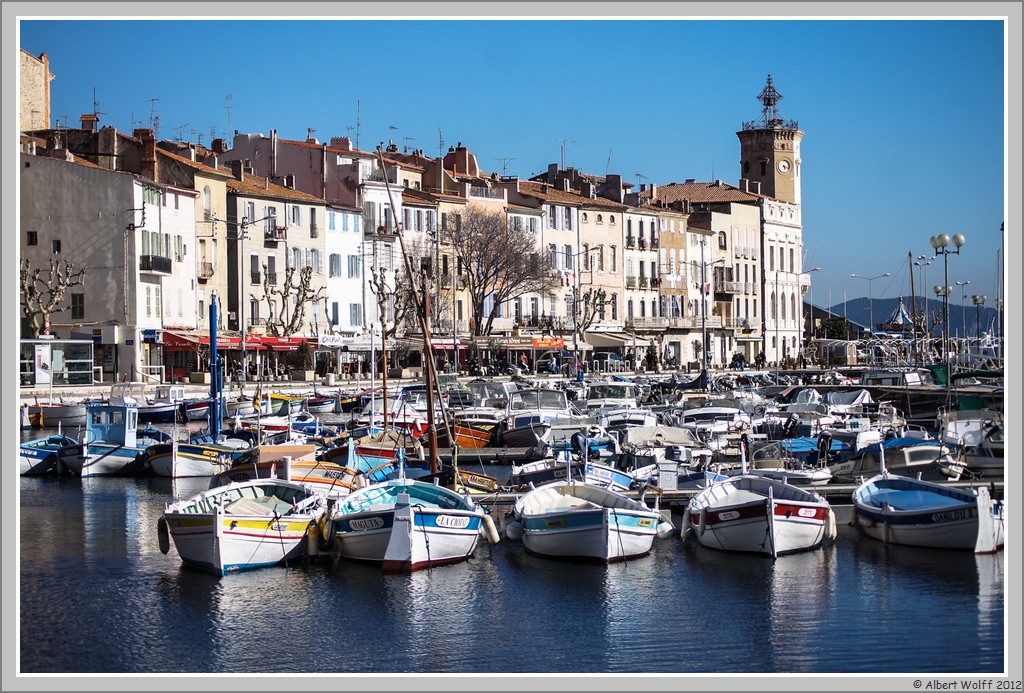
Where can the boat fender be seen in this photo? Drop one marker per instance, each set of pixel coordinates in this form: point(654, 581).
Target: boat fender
point(312, 539)
point(489, 530)
point(327, 530)
point(853, 517)
point(684, 533)
point(514, 530)
point(163, 535)
point(665, 529)
point(830, 524)
point(703, 522)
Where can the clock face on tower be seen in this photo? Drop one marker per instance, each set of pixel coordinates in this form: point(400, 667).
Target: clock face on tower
point(784, 166)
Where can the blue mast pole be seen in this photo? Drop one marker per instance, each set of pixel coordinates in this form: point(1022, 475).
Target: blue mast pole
point(215, 371)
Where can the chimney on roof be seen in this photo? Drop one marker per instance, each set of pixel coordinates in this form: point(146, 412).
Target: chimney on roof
point(757, 187)
point(718, 183)
point(289, 181)
point(237, 169)
point(219, 146)
point(744, 185)
point(248, 167)
point(690, 180)
point(342, 143)
point(552, 172)
point(654, 191)
point(643, 187)
point(90, 121)
point(147, 162)
point(563, 184)
point(613, 184)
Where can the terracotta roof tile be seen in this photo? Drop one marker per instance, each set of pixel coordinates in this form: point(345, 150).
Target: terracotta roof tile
point(702, 192)
point(261, 187)
point(320, 147)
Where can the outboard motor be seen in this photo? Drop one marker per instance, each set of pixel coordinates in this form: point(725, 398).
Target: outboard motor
point(579, 443)
point(745, 445)
point(789, 428)
point(824, 446)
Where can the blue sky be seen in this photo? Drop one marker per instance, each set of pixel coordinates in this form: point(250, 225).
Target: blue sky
point(904, 119)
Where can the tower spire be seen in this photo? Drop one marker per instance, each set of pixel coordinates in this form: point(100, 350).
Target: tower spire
point(770, 98)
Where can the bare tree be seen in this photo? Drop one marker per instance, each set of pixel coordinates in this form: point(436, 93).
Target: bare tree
point(296, 291)
point(499, 263)
point(42, 296)
point(589, 307)
point(398, 296)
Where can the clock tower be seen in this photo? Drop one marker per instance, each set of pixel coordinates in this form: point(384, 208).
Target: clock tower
point(770, 150)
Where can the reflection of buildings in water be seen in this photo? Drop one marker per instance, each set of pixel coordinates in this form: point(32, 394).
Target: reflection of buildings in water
point(105, 525)
point(174, 490)
point(800, 598)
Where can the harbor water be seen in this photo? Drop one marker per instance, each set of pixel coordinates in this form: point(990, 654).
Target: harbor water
point(98, 596)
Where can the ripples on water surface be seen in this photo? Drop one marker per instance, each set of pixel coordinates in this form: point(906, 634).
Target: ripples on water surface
point(98, 596)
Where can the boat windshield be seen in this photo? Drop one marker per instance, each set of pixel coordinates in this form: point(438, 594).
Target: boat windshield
point(538, 399)
point(611, 391)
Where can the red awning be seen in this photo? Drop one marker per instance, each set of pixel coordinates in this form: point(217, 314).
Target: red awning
point(441, 343)
point(180, 341)
point(281, 343)
point(175, 341)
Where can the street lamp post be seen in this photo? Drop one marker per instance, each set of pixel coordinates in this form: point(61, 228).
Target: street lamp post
point(871, 302)
point(241, 287)
point(810, 300)
point(979, 301)
point(922, 263)
point(944, 245)
point(963, 308)
point(705, 352)
point(574, 300)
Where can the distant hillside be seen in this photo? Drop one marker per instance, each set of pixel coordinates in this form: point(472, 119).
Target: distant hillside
point(858, 311)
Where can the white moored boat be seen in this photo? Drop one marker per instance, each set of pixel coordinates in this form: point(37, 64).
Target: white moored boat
point(405, 525)
point(755, 514)
point(575, 520)
point(903, 510)
point(245, 525)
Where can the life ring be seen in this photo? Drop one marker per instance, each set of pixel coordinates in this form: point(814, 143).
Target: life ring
point(760, 409)
point(163, 535)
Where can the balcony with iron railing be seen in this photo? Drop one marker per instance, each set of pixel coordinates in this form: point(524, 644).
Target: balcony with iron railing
point(154, 264)
point(272, 278)
point(729, 287)
point(648, 323)
point(314, 231)
point(630, 242)
point(485, 192)
point(275, 233)
point(255, 278)
point(645, 283)
point(655, 243)
point(630, 282)
point(642, 243)
point(205, 270)
point(684, 322)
